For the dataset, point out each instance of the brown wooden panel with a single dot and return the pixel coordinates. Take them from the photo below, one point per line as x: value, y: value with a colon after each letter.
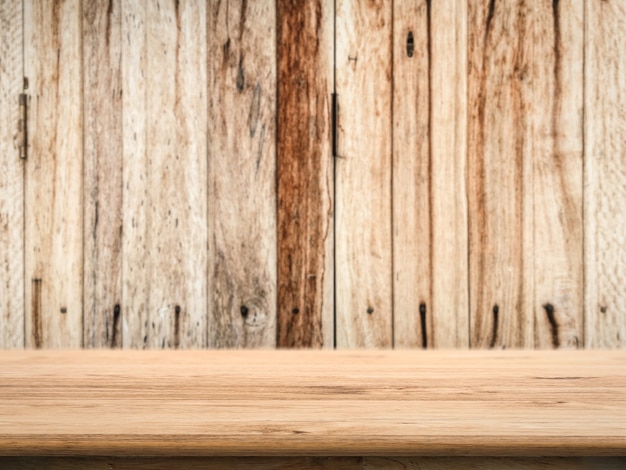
x: 11, y: 178
x: 605, y: 174
x: 242, y: 173
x: 557, y: 190
x: 363, y: 238
x: 315, y: 463
x: 305, y: 173
x: 103, y: 152
x: 412, y: 190
x: 500, y: 173
x: 54, y: 175
x: 165, y: 174
x: 449, y: 311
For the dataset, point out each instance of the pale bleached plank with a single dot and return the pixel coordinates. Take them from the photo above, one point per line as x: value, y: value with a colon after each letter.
x: 273, y: 403
x: 165, y: 194
x: 103, y: 152
x: 605, y: 174
x: 314, y: 463
x: 305, y: 173
x: 448, y: 134
x: 11, y: 178
x: 54, y: 175
x: 500, y: 173
x: 557, y: 101
x: 136, y: 173
x: 412, y: 184
x: 242, y: 173
x: 363, y: 175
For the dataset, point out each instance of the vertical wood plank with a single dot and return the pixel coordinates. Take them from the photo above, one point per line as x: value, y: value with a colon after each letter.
x: 500, y: 174
x: 242, y: 173
x: 54, y: 175
x: 11, y: 178
x: 363, y: 175
x: 448, y: 134
x: 605, y: 173
x: 136, y: 173
x: 305, y: 173
x: 412, y: 216
x: 102, y: 92
x: 557, y: 98
x: 165, y: 188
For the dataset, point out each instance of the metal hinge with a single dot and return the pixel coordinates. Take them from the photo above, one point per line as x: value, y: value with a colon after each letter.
x: 334, y: 123
x: 23, y: 126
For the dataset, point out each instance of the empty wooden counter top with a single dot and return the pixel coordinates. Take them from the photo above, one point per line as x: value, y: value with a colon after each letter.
x: 297, y: 402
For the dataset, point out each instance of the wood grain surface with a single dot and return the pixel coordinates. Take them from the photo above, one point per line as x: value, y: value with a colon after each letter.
x: 54, y: 175
x: 185, y: 403
x: 103, y: 178
x: 556, y: 75
x: 305, y: 173
x: 242, y: 173
x: 500, y: 174
x: 412, y: 212
x: 605, y: 173
x: 363, y: 238
x: 165, y: 167
x: 11, y: 178
x: 449, y: 313
x: 314, y: 463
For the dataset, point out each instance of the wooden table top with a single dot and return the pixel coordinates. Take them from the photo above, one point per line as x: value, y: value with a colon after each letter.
x: 296, y: 402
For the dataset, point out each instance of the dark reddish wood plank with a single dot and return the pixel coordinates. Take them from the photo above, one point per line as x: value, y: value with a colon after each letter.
x: 305, y: 173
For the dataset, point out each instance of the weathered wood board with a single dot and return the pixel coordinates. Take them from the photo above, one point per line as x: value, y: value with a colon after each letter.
x: 557, y: 156
x: 54, y: 184
x: 605, y: 174
x: 449, y: 313
x: 305, y: 173
x: 165, y: 174
x: 242, y: 173
x: 102, y: 186
x: 500, y: 172
x: 11, y: 178
x: 363, y: 238
x: 412, y: 189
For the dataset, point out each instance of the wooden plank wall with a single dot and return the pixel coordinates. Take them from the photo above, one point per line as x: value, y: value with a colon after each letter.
x: 185, y: 187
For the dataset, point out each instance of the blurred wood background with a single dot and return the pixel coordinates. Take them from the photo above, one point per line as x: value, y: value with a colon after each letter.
x: 191, y: 181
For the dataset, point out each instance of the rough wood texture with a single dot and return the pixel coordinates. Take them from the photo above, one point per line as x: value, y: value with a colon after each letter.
x: 264, y: 403
x: 242, y: 178
x: 363, y: 175
x: 314, y: 463
x: 102, y: 91
x: 500, y: 174
x: 556, y: 74
x: 449, y: 313
x: 165, y: 174
x: 11, y: 178
x: 305, y: 173
x: 605, y: 174
x: 412, y: 190
x: 54, y: 175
